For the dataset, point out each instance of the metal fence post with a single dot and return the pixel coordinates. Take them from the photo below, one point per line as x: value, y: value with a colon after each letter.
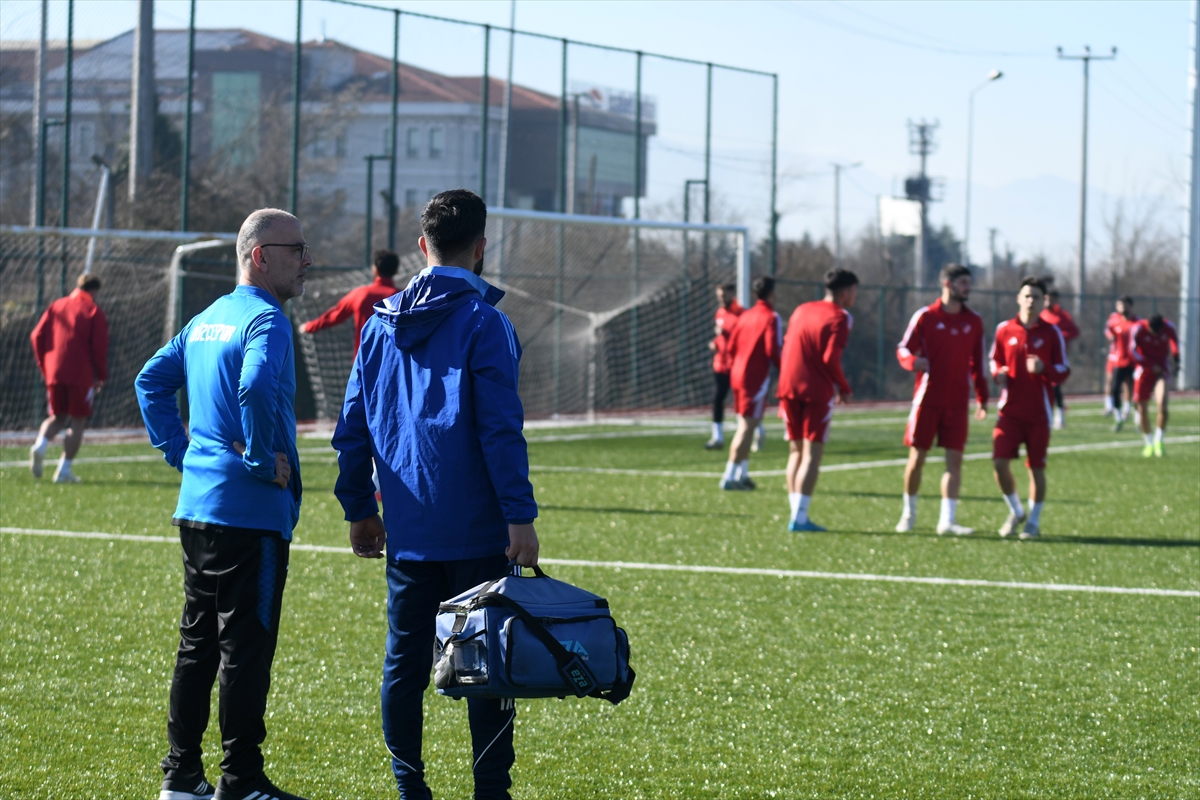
x: 185, y: 169
x: 294, y: 177
x: 65, y: 210
x: 880, y: 344
x: 637, y: 238
x: 395, y: 86
x: 483, y: 135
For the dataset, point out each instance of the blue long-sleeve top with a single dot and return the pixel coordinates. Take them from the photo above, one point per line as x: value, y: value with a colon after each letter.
x: 237, y: 362
x: 432, y: 398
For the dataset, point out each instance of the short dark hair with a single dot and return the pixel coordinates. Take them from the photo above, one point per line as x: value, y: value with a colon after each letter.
x: 952, y: 272
x: 88, y: 282
x: 763, y: 286
x: 1155, y: 322
x: 1052, y: 292
x: 1126, y: 299
x: 837, y: 279
x: 453, y: 221
x: 386, y: 263
x: 1035, y: 282
x: 728, y: 288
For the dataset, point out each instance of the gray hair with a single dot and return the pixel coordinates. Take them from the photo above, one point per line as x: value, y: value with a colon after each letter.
x: 252, y: 230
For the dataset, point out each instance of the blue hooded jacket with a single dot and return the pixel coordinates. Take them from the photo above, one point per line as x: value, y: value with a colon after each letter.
x: 236, y: 359
x: 433, y: 399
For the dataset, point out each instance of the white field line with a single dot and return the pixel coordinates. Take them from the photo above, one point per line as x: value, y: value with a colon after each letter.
x: 768, y: 573
x: 664, y: 473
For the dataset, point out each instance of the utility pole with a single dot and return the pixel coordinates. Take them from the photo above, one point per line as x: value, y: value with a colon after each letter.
x: 992, y: 260
x: 1086, y: 58
x: 837, y: 208
x: 39, y: 113
x: 920, y: 143
x: 994, y: 75
x: 141, y: 104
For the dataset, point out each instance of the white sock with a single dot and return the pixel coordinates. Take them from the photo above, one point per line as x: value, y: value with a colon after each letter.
x: 40, y: 443
x: 949, y: 509
x: 1125, y: 409
x: 910, y: 506
x: 1158, y: 434
x: 743, y: 469
x: 64, y: 464
x: 730, y: 471
x: 718, y: 434
x: 1035, y: 512
x: 802, y: 509
x: 1149, y: 437
x: 1014, y: 504
x: 1108, y: 404
x: 794, y: 502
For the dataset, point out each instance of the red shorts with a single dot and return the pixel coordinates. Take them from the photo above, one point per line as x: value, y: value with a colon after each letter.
x: 805, y: 419
x: 69, y: 400
x: 750, y: 405
x: 1010, y: 434
x: 1144, y: 381
x: 950, y: 425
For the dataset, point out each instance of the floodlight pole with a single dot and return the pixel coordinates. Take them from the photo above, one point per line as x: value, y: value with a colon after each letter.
x: 995, y: 75
x: 837, y: 208
x: 1086, y: 58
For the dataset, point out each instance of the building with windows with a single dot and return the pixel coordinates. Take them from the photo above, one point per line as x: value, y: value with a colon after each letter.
x: 242, y: 98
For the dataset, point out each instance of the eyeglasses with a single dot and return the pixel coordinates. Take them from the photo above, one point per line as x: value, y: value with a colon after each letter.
x: 299, y: 247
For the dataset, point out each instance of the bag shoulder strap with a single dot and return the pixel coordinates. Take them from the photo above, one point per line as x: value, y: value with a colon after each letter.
x: 576, y: 673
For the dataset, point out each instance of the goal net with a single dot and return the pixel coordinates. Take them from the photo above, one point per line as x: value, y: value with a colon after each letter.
x: 613, y: 315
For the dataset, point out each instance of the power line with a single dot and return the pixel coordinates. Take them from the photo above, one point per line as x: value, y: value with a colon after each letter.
x: 1177, y: 106
x: 1140, y: 115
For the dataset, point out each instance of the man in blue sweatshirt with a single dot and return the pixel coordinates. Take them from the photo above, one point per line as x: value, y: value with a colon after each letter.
x: 432, y: 398
x: 238, y: 503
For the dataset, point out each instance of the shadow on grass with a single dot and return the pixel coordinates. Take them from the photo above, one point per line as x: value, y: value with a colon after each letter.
x: 649, y: 511
x: 978, y: 536
x: 933, y: 498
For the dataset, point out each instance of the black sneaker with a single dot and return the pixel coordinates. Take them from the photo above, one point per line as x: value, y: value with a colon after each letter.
x: 191, y: 788
x: 262, y: 789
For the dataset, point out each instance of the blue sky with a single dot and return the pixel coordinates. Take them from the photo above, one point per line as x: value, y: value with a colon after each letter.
x: 851, y: 75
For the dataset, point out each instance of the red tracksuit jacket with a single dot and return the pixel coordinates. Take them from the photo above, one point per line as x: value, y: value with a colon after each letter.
x: 70, y: 341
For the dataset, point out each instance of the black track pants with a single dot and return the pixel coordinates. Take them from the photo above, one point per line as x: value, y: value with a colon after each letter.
x: 233, y: 586
x: 721, y: 392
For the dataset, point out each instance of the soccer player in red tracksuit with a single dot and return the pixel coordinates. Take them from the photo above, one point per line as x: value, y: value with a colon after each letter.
x: 70, y: 343
x: 1058, y: 316
x: 754, y: 346
x: 360, y: 302
x: 1153, y: 340
x: 727, y: 314
x: 1109, y: 361
x: 1029, y: 356
x: 1119, y: 327
x: 810, y: 382
x: 943, y: 345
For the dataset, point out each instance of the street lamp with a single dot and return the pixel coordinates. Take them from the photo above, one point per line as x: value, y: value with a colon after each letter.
x: 994, y: 75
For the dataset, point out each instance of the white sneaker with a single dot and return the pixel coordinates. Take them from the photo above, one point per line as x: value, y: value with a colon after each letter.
x: 955, y: 528
x: 906, y: 523
x: 66, y: 477
x: 37, y: 459
x: 1011, y: 524
x: 714, y: 444
x: 1030, y: 531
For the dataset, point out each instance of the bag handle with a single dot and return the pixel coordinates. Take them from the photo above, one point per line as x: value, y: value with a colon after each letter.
x: 515, y: 571
x: 575, y: 673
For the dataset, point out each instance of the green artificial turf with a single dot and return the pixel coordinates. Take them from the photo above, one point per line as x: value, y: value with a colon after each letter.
x: 748, y: 685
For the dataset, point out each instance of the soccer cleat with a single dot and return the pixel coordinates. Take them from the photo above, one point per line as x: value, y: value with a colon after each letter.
x: 714, y: 444
x: 262, y: 790
x: 1117, y: 427
x: 808, y: 526
x: 1011, y: 524
x: 1147, y: 450
x: 1108, y: 412
x: 906, y: 523
x: 955, y: 528
x: 66, y: 477
x: 1030, y: 531
x: 1158, y: 449
x: 748, y: 485
x: 733, y: 486
x: 193, y: 788
x: 37, y: 458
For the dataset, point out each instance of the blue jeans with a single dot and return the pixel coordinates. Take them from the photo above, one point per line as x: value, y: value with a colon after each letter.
x: 415, y: 589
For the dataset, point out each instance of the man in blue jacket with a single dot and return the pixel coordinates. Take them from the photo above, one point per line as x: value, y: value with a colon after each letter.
x: 238, y: 503
x: 432, y: 398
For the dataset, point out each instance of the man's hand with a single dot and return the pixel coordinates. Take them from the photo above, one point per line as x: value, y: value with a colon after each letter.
x: 283, y: 470
x: 1034, y: 364
x: 921, y: 364
x: 980, y: 411
x: 1001, y: 377
x: 840, y: 397
x: 713, y: 346
x: 367, y: 537
x: 522, y: 545
x: 304, y: 328
x: 97, y: 387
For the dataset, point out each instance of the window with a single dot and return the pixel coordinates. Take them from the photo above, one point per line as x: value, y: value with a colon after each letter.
x: 437, y: 142
x: 412, y: 141
x: 410, y: 198
x: 339, y: 145
x: 236, y: 109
